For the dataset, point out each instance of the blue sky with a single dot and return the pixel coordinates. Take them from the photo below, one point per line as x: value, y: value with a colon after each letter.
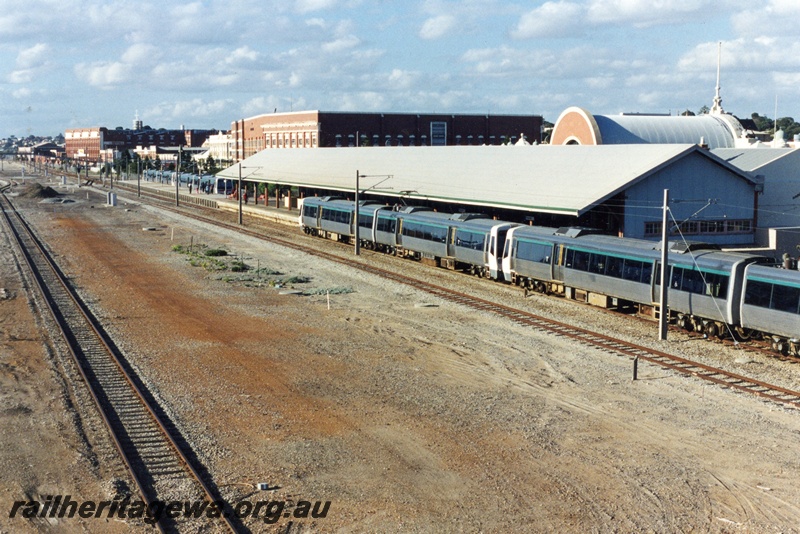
x: 74, y: 63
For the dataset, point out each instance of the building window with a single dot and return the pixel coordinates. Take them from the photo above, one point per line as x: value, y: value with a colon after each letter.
x: 438, y: 133
x: 707, y: 227
x: 652, y: 229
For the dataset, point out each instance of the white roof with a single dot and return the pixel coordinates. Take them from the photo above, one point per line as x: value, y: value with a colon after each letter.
x: 714, y: 130
x: 751, y: 159
x: 545, y: 178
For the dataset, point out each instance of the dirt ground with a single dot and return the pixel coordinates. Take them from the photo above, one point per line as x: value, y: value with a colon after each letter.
x: 408, y: 414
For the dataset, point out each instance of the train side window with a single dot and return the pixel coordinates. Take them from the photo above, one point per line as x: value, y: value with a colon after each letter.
x: 470, y: 240
x: 365, y: 221
x: 693, y: 282
x: 386, y: 224
x: 580, y: 260
x: 632, y: 271
x: 716, y: 285
x: 677, y: 276
x: 785, y: 298
x: 758, y: 293
x: 647, y: 273
x: 616, y: 267
x: 569, y: 258
x: 597, y: 263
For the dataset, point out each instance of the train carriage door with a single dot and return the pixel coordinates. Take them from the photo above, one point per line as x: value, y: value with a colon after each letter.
x: 557, y: 264
x: 505, y: 268
x: 451, y: 242
x: 497, y: 243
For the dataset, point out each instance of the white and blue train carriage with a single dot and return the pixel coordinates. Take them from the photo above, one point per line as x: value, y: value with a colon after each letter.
x: 771, y: 305
x: 705, y: 289
x: 465, y: 241
x: 331, y: 217
x: 705, y: 284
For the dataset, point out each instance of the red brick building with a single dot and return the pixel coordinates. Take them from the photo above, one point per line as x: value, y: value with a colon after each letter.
x: 88, y: 144
x: 305, y: 129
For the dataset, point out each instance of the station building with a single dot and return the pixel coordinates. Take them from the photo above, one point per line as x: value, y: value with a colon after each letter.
x: 326, y: 129
x: 617, y: 188
x: 577, y: 126
x: 778, y: 216
x: 97, y: 143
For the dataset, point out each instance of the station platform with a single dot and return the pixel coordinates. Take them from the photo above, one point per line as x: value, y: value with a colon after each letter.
x: 280, y: 214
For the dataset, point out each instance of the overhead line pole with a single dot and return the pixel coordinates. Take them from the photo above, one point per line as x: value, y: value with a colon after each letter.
x: 358, y: 237
x: 663, y: 316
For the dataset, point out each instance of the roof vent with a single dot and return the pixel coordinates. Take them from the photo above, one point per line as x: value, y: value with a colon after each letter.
x: 467, y: 216
x: 412, y: 209
x: 576, y: 231
x: 682, y: 247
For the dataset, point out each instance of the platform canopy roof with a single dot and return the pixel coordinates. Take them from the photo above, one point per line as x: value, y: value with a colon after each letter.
x: 752, y: 159
x: 568, y: 180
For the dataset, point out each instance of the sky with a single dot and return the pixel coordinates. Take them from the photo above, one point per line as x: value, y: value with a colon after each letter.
x: 203, y: 64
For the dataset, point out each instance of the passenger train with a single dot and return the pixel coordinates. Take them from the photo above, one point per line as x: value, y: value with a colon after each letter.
x: 720, y: 294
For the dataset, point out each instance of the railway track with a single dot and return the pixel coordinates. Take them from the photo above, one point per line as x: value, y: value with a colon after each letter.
x: 145, y: 439
x: 683, y: 366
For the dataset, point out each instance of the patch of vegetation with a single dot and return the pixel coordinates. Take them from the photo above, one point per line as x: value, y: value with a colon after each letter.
x: 216, y: 252
x: 337, y: 290
x: 235, y: 268
x: 296, y: 280
x: 210, y: 259
x: 238, y: 266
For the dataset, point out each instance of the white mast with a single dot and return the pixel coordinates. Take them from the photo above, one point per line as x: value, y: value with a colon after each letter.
x: 716, y: 109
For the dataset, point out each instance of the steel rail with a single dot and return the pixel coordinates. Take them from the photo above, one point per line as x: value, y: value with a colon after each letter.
x: 673, y: 362
x: 91, y: 372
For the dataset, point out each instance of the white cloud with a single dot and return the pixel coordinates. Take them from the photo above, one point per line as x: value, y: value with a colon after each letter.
x: 141, y: 53
x: 104, y: 74
x: 507, y: 61
x: 643, y: 13
x: 437, y: 27
x: 307, y: 6
x: 743, y: 55
x: 241, y: 54
x: 400, y: 79
x: 340, y: 45
x: 33, y: 56
x: 551, y: 19
x: 776, y: 17
x: 21, y: 93
x: 195, y: 108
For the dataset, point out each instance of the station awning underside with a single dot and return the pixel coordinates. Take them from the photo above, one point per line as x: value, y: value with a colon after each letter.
x: 567, y: 180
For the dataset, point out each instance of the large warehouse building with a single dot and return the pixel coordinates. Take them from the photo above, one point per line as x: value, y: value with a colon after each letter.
x: 323, y: 129
x: 577, y: 126
x: 618, y: 188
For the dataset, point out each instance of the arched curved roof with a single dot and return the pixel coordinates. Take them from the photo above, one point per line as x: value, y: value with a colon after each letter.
x: 577, y: 126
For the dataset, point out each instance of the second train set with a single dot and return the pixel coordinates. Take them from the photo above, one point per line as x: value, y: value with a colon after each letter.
x: 717, y: 293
